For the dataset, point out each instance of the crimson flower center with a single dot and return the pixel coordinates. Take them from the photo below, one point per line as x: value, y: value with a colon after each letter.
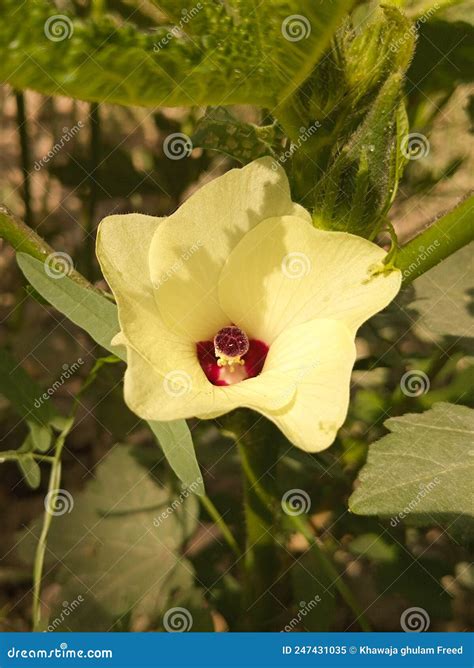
x: 231, y: 356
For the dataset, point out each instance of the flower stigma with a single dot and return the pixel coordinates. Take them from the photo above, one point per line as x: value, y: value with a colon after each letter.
x: 230, y: 345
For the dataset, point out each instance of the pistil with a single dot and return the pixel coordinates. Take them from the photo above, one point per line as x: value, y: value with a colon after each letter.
x: 230, y: 345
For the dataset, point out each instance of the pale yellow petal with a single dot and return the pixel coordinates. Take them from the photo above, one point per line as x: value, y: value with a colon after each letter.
x: 123, y: 244
x: 177, y: 388
x: 319, y: 358
x: 285, y: 272
x: 190, y: 247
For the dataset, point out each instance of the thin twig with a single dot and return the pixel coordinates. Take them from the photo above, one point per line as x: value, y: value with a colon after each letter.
x: 22, y: 124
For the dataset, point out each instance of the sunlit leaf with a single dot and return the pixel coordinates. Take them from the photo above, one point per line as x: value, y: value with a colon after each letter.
x: 422, y: 471
x: 241, y: 51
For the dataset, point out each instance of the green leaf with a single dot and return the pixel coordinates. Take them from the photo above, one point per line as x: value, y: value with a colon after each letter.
x: 177, y: 444
x: 220, y: 131
x: 422, y: 472
x: 98, y: 316
x: 85, y: 308
x: 120, y: 540
x: 443, y: 304
x: 30, y: 470
x: 238, y: 52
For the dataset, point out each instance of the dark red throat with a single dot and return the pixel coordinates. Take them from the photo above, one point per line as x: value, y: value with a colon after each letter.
x: 254, y: 360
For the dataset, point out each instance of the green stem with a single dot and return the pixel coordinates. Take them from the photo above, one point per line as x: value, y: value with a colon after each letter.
x: 262, y: 505
x: 53, y: 488
x: 219, y: 520
x: 25, y: 240
x: 13, y: 455
x: 257, y: 443
x: 21, y: 237
x: 25, y: 154
x: 437, y: 242
x: 324, y: 563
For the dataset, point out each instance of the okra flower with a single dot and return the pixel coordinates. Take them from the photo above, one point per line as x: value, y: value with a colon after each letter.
x: 237, y: 300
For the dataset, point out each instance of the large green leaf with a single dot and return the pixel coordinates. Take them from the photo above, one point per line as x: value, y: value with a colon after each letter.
x: 241, y: 51
x: 117, y: 543
x: 98, y: 316
x: 423, y: 470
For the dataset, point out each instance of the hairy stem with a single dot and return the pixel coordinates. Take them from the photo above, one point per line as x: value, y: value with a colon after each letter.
x: 21, y: 237
x: 261, y: 554
x: 257, y: 442
x: 25, y: 240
